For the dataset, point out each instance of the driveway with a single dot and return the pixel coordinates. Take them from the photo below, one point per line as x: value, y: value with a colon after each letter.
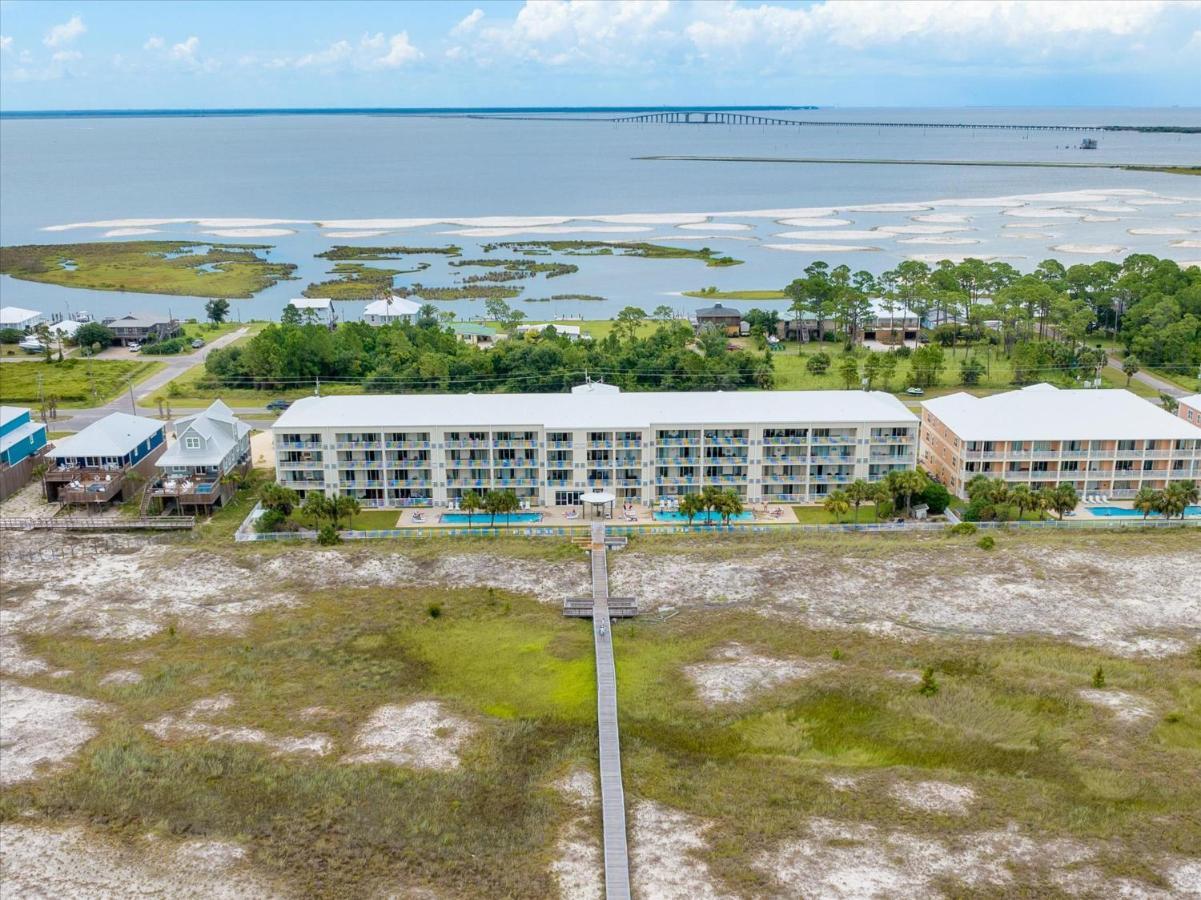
x: 173, y: 367
x: 1164, y: 387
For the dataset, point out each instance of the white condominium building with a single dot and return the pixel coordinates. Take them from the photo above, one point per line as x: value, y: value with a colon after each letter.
x: 1107, y: 442
x: 426, y: 449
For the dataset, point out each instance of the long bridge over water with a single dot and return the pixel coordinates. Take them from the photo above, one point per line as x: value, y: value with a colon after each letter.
x: 686, y: 117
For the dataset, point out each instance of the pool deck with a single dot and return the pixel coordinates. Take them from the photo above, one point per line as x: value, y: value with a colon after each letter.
x: 557, y: 516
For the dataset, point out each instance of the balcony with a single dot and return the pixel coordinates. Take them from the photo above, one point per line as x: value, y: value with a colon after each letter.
x: 358, y: 445
x: 298, y: 445
x: 359, y: 465
x: 679, y: 442
x: 727, y: 441
x: 467, y: 445
x: 407, y: 445
x: 192, y: 492
x: 785, y: 479
x: 299, y: 464
x: 91, y: 491
x: 408, y: 482
x: 350, y: 484
x: 892, y: 438
x: 515, y: 444
x: 558, y: 482
x: 627, y: 482
x: 794, y: 441
x: 835, y: 439
x: 626, y: 445
x: 677, y: 479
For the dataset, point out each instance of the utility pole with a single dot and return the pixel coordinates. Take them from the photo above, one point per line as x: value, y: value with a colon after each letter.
x: 133, y: 407
x: 41, y: 397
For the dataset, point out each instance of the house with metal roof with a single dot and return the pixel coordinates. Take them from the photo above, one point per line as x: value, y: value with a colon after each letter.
x: 193, y: 473
x: 314, y: 309
x: 389, y: 310
x: 109, y: 459
x: 20, y: 318
x: 22, y: 441
x: 1189, y: 409
x: 475, y: 333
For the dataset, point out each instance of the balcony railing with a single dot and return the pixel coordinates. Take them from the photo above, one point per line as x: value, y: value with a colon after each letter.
x: 467, y: 445
x: 515, y: 444
x: 407, y: 445
x: 358, y: 445
x: 298, y: 445
x: 784, y: 441
x: 679, y: 442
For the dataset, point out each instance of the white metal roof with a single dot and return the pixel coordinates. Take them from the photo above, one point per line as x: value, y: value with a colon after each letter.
x: 558, y: 327
x: 311, y: 303
x: 1193, y: 400
x: 219, y: 431
x: 1043, y: 413
x: 8, y: 413
x: 66, y: 327
x: 399, y: 306
x: 17, y: 315
x: 114, y: 435
x: 600, y: 410
x: 19, y: 434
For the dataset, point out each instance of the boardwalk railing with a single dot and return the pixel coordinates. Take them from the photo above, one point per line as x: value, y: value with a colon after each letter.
x: 98, y: 523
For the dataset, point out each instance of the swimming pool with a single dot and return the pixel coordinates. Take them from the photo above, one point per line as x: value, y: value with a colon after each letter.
x: 205, y: 487
x: 480, y: 518
x: 703, y: 518
x: 1111, y: 512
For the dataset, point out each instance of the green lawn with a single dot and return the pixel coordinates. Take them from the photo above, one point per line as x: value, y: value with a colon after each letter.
x: 736, y: 295
x: 1186, y: 380
x: 1116, y: 378
x: 154, y: 267
x: 816, y: 515
x: 70, y: 380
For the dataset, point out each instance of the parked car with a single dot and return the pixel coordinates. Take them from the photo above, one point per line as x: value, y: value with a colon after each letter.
x: 197, y: 343
x: 134, y: 347
x: 278, y: 405
x: 914, y: 391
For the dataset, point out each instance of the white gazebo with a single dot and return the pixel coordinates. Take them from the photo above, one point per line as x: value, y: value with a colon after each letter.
x: 598, y: 500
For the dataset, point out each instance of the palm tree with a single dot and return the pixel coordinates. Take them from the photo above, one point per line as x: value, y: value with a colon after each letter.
x: 1145, y: 501
x: 998, y: 496
x: 344, y: 507
x: 879, y: 494
x: 691, y: 505
x: 1064, y: 499
x: 905, y: 483
x: 837, y: 504
x: 470, y: 503
x: 1022, y: 498
x: 858, y: 492
x: 1185, y: 494
x: 279, y: 498
x: 729, y: 504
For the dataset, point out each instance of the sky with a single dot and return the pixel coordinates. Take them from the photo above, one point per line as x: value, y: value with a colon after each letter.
x: 140, y: 55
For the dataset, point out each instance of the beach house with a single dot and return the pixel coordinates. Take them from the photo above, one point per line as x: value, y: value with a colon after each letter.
x: 1103, y: 442
x: 110, y: 459
x: 20, y: 318
x: 314, y: 309
x: 723, y: 318
x: 138, y: 328
x: 193, y: 474
x: 428, y: 449
x: 393, y: 309
x: 571, y: 332
x: 475, y: 333
x: 22, y: 442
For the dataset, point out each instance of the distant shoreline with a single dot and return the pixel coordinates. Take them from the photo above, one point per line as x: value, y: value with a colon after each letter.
x: 1019, y: 164
x: 370, y: 111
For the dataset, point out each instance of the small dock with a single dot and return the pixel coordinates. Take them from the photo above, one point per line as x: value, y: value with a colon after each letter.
x: 598, y: 608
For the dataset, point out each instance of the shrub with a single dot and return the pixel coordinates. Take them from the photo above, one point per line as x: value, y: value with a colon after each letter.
x: 818, y: 363
x: 1099, y: 678
x: 935, y: 496
x: 928, y: 686
x: 962, y: 528
x: 435, y: 610
x: 328, y: 535
x: 271, y: 520
x: 837, y: 654
x: 94, y: 333
x: 165, y: 348
x: 988, y: 542
x: 11, y: 335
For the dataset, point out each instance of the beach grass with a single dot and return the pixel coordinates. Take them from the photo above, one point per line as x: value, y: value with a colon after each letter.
x: 1007, y: 722
x: 75, y: 382
x: 197, y: 269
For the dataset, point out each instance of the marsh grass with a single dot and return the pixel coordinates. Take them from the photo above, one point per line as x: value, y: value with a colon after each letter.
x: 1007, y: 722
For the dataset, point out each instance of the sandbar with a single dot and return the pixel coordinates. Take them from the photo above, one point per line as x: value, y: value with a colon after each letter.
x: 821, y: 248
x: 1095, y: 249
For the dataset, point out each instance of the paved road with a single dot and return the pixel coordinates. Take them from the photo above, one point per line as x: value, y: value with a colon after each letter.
x: 173, y: 367
x: 1164, y: 387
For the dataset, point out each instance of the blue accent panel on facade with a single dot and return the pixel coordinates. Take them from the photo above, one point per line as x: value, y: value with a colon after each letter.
x: 141, y: 450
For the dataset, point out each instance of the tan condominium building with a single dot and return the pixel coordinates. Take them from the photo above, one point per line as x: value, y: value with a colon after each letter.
x: 1189, y: 409
x: 1106, y: 442
x: 426, y: 449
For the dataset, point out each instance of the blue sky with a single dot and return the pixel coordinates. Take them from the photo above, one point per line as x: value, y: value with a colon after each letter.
x: 97, y: 54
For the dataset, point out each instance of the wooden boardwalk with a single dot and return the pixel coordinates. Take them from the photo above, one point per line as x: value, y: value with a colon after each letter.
x: 613, y: 809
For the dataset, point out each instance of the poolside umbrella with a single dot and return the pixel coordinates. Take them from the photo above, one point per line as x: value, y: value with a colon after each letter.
x: 597, y: 500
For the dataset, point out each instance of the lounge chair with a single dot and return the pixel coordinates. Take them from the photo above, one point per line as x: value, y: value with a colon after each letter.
x: 573, y: 514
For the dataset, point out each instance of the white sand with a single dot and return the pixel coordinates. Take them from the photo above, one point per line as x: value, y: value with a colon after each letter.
x: 1160, y: 201
x: 944, y: 218
x: 1164, y: 231
x: 835, y: 235
x: 352, y: 234
x: 1188, y: 245
x: 1093, y: 218
x: 717, y: 226
x: 376, y: 224
x: 922, y: 229
x: 549, y: 229
x: 979, y: 203
x: 821, y: 248
x: 248, y: 223
x: 129, y: 232
x: 190, y: 724
x: 941, y: 241
x: 1031, y: 235
x: 935, y: 796
x: 810, y: 212
x: 422, y: 735
x: 117, y: 223
x: 1111, y: 208
x: 578, y: 865
x: 1090, y: 249
x: 121, y: 677
x: 38, y: 728
x: 250, y: 232
x: 738, y: 673
x: 663, y: 864
x: 888, y: 207
x: 815, y: 223
x: 1187, y: 215
x: 1125, y: 707
x: 681, y: 219
x: 1031, y: 212
x: 71, y: 864
x: 16, y: 660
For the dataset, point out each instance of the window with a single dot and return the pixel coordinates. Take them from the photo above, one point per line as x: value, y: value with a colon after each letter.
x: 191, y: 442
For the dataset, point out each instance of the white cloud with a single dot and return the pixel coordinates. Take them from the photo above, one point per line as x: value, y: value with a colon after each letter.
x: 64, y: 33
x: 559, y: 32
x: 331, y: 55
x: 154, y: 42
x: 185, y: 50
x: 400, y: 52
x: 6, y: 43
x: 468, y: 22
x: 65, y: 56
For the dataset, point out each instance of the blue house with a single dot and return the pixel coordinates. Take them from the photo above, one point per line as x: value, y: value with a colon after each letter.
x: 21, y: 441
x: 92, y: 466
